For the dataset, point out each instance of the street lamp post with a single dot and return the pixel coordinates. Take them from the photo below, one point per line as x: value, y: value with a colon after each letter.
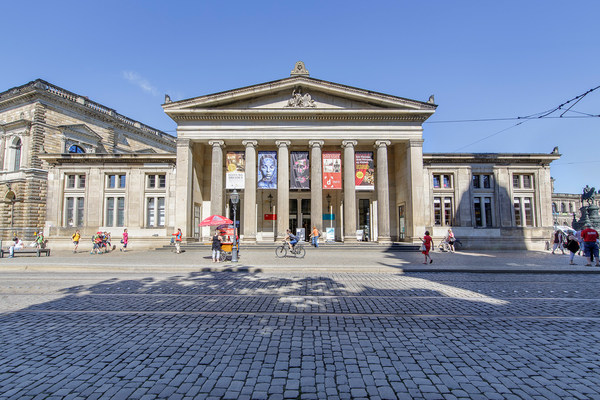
x: 270, y: 197
x: 235, y: 198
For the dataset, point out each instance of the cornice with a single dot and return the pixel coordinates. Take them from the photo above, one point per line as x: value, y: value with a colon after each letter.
x: 496, y: 158
x: 103, y: 159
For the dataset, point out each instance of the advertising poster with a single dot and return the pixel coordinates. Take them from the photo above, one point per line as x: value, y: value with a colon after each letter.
x: 299, y: 170
x: 364, y: 178
x: 332, y: 170
x: 235, y: 175
x: 267, y: 170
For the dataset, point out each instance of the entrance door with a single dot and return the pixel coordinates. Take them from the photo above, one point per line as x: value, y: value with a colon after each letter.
x: 300, y: 216
x: 364, y: 218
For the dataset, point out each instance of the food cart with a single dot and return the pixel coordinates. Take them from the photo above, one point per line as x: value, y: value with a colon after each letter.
x: 227, y: 232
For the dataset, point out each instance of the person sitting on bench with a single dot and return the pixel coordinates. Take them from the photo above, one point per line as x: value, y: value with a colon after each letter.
x: 18, y: 245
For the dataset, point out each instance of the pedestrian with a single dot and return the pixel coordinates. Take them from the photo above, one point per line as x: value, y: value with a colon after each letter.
x: 572, y: 246
x: 17, y: 245
x: 450, y: 239
x: 217, y: 239
x: 427, y: 240
x: 590, y: 245
x: 76, y: 237
x: 39, y: 240
x: 178, y: 236
x: 315, y: 234
x: 558, y: 241
x: 125, y: 240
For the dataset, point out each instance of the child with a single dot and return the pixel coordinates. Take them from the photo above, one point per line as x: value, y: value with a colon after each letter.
x: 573, y: 246
x: 178, y: 236
x: 76, y: 237
x: 125, y: 240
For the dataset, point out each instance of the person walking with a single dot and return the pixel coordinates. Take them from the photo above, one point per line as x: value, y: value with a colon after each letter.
x: 572, y: 246
x: 315, y: 234
x: 178, y: 236
x: 427, y: 241
x: 76, y: 237
x: 558, y: 241
x: 217, y: 240
x: 590, y: 245
x: 450, y: 239
x: 125, y: 240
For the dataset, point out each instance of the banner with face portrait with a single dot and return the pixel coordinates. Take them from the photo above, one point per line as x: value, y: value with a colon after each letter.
x: 364, y: 178
x: 235, y: 175
x: 299, y: 170
x: 332, y: 170
x: 267, y: 170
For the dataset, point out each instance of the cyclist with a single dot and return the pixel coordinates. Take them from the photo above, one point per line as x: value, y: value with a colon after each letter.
x: 450, y: 239
x: 291, y: 239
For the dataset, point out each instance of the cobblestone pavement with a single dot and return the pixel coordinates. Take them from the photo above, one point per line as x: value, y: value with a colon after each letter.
x: 233, y: 335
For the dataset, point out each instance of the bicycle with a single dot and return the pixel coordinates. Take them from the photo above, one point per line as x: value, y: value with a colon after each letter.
x: 298, y: 250
x: 444, y: 246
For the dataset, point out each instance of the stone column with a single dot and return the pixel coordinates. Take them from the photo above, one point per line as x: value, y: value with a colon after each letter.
x: 250, y: 192
x: 416, y: 199
x: 216, y: 183
x: 316, y: 184
x: 183, y: 190
x: 349, y: 191
x: 283, y: 187
x: 383, y: 192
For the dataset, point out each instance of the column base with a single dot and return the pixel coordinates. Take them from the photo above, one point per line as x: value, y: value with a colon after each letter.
x: 384, y: 240
x: 350, y: 239
x: 249, y: 240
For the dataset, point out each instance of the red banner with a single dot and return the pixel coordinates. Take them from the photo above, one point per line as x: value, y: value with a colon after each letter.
x: 270, y: 217
x: 332, y: 170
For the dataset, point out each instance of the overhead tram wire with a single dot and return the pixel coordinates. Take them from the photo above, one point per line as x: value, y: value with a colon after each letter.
x: 541, y: 115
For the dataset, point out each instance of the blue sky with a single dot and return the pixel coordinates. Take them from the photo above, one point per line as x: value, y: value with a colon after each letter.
x: 481, y: 60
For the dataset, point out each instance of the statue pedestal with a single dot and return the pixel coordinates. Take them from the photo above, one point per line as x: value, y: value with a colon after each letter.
x: 589, y: 215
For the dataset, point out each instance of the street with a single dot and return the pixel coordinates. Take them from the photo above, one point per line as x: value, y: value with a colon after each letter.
x: 236, y: 335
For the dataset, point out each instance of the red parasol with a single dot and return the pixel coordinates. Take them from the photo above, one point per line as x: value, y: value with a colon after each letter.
x: 215, y: 220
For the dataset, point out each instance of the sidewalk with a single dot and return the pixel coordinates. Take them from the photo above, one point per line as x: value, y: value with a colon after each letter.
x: 316, y: 261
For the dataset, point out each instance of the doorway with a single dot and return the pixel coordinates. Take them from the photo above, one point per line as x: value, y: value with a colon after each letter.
x: 300, y: 217
x: 364, y: 218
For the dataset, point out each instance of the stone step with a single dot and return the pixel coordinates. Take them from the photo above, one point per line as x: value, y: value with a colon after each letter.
x: 395, y: 247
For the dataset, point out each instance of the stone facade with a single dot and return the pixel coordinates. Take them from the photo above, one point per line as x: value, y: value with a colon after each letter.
x: 38, y: 120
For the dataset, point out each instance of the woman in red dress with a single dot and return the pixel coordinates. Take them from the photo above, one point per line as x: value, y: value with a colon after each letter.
x: 427, y: 240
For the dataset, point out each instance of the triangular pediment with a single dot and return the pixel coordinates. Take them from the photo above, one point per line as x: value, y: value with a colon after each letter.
x: 81, y: 132
x: 295, y: 93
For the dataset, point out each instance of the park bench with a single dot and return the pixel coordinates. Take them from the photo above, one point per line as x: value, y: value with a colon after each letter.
x: 37, y: 252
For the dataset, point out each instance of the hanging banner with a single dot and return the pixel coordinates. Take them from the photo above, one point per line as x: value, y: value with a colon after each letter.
x: 332, y: 170
x: 235, y: 175
x: 267, y: 170
x: 299, y: 170
x: 364, y: 178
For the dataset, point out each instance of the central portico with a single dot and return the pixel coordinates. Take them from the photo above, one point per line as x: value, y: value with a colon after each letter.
x: 316, y: 137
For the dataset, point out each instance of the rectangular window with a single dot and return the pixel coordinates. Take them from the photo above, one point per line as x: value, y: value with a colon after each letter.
x: 111, y: 181
x: 115, y: 181
x: 516, y: 181
x: 528, y: 211
x: 487, y: 181
x: 436, y: 181
x: 71, y: 181
x: 447, y: 181
x: 150, y: 211
x: 161, y: 211
x: 120, y: 211
x: 80, y: 205
x: 476, y: 184
x: 122, y: 181
x: 527, y: 181
x: 477, y: 208
x: 81, y: 182
x: 110, y: 211
x: 157, y: 181
x: 69, y: 211
x: 517, y: 208
x: 437, y: 211
x: 151, y: 181
x: 448, y: 211
x: 488, y: 211
x: 162, y: 181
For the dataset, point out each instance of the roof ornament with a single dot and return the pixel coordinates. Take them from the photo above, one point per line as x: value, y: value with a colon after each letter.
x: 300, y: 101
x: 167, y: 99
x: 431, y: 100
x: 299, y: 70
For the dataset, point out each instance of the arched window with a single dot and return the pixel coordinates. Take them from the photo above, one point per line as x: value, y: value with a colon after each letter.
x: 570, y: 207
x: 563, y: 208
x: 16, y: 147
x: 76, y: 149
x: 554, y: 208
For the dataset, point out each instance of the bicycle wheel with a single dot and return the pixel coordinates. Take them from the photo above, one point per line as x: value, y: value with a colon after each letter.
x: 222, y: 256
x: 457, y: 245
x: 280, y: 251
x: 300, y: 251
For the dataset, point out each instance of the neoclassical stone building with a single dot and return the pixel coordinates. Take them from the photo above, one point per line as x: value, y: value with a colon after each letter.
x: 299, y: 151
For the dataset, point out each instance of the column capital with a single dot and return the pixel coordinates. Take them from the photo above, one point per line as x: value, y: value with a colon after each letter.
x: 415, y: 143
x: 316, y: 143
x: 382, y: 143
x: 249, y: 143
x: 183, y: 142
x: 217, y: 143
x: 283, y: 143
x: 349, y: 143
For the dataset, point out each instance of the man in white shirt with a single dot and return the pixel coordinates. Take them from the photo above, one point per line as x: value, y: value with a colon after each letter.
x: 18, y: 245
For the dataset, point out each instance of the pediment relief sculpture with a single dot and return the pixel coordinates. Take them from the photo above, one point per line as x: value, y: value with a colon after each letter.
x: 300, y: 100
